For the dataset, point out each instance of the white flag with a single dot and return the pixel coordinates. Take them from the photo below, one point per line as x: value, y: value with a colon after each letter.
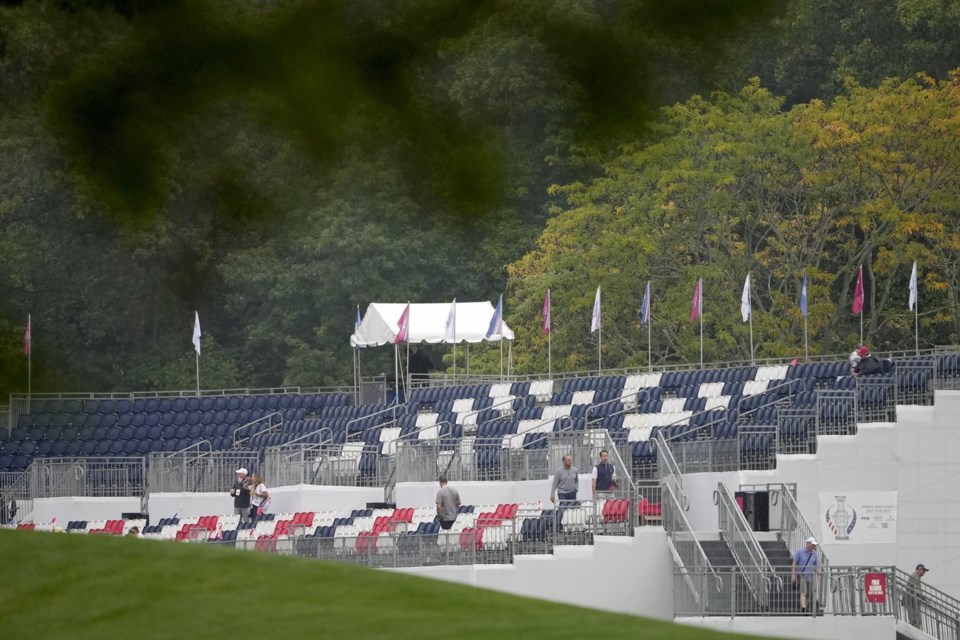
x: 450, y: 330
x: 913, y: 287
x: 745, y: 299
x: 196, y: 332
x: 595, y: 322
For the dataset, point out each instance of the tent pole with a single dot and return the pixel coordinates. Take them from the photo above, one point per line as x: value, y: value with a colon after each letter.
x: 501, y: 358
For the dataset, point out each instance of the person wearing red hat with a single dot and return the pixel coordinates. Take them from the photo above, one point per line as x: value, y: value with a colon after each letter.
x: 867, y: 364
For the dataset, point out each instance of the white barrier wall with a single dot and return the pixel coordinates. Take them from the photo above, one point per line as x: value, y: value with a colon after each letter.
x: 90, y: 509
x: 285, y: 500
x: 423, y: 494
x: 919, y: 458
x: 822, y: 628
x: 626, y: 575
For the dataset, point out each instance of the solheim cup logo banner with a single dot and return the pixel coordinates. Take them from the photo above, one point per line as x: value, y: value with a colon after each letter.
x: 841, y: 520
x: 859, y: 517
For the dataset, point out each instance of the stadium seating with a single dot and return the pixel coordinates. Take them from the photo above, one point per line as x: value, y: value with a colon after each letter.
x: 688, y: 405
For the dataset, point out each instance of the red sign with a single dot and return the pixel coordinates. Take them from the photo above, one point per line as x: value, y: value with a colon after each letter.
x: 875, y: 586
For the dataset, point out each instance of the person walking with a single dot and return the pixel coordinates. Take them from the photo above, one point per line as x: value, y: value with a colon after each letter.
x: 565, y: 482
x: 804, y: 573
x: 259, y: 496
x: 448, y: 502
x: 914, y: 596
x: 241, y: 495
x: 604, y: 477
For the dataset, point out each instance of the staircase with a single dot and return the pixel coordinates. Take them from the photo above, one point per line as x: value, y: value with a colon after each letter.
x: 783, y: 597
x: 735, y: 589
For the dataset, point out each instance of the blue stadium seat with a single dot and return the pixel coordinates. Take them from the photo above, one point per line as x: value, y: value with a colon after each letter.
x: 151, y: 405
x: 106, y: 406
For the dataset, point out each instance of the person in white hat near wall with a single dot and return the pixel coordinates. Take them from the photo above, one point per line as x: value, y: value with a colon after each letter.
x: 804, y: 573
x: 241, y: 495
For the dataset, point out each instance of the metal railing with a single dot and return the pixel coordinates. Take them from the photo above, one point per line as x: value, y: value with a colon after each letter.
x: 197, y: 470
x: 916, y: 381
x: 99, y: 476
x: 793, y: 529
x: 267, y: 423
x: 700, y: 582
x: 924, y: 607
x: 669, y: 471
x: 505, y: 460
x: 16, y: 502
x: 352, y: 465
x: 757, y: 571
x: 472, y: 540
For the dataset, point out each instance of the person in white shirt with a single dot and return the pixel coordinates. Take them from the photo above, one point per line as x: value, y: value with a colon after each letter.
x: 259, y: 496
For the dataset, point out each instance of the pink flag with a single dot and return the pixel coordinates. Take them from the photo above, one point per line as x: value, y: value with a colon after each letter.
x: 546, y: 313
x: 858, y: 293
x: 403, y: 326
x: 697, y: 301
x: 27, y: 339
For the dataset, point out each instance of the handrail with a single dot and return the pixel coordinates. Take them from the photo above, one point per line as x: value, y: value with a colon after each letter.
x: 744, y: 546
x: 392, y: 408
x: 623, y: 411
x: 796, y: 529
x: 270, y: 425
x: 668, y: 469
x: 700, y: 561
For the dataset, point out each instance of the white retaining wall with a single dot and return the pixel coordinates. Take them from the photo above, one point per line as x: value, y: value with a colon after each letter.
x: 621, y: 574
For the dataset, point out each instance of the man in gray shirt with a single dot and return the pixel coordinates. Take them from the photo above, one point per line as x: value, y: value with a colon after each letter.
x: 565, y: 483
x: 448, y: 501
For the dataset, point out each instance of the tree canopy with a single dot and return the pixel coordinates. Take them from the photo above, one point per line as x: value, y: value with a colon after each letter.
x: 273, y: 164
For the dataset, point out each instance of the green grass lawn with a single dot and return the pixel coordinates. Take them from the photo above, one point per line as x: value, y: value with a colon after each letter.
x: 90, y: 586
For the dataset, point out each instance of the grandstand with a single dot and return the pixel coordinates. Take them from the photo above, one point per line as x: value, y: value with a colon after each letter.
x: 696, y: 450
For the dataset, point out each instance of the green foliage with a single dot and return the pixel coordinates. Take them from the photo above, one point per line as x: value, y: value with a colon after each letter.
x: 733, y: 185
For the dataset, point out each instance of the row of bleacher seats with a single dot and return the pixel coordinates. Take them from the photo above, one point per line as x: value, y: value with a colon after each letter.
x: 204, y: 403
x: 477, y: 527
x: 175, y: 418
x: 629, y: 406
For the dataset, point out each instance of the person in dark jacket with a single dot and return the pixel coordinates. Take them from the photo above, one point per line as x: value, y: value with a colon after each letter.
x: 241, y: 495
x: 868, y: 364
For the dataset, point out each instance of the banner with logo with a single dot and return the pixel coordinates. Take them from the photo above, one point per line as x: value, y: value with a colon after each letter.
x: 858, y: 517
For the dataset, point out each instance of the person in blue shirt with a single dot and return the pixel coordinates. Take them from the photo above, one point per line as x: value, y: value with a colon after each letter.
x: 804, y: 573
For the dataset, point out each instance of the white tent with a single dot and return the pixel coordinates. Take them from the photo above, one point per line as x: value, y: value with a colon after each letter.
x: 427, y: 323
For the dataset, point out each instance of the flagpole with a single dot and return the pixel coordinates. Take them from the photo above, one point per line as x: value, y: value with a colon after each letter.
x: 406, y: 375
x: 700, y: 303
x: 198, y: 375
x: 750, y: 293
x: 501, y: 357
x: 649, y: 347
x: 454, y: 360
x: 396, y: 373
x: 30, y: 359
x: 806, y: 348
x: 550, y: 353
x: 509, y: 358
x: 599, y: 346
x: 916, y: 326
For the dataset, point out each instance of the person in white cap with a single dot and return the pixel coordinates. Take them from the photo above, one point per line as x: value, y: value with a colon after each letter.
x: 241, y: 495
x: 804, y: 573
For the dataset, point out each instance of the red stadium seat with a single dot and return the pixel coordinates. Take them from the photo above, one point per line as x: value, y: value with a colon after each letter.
x: 29, y: 526
x: 267, y: 544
